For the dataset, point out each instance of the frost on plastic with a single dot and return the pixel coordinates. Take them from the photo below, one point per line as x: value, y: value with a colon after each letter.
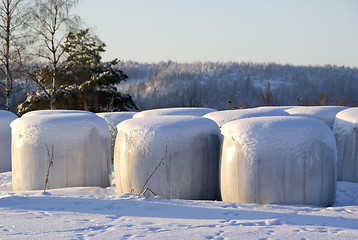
x: 281, y: 160
x: 77, y: 142
x: 185, y: 111
x: 190, y: 147
x: 222, y: 117
x: 326, y: 114
x: 113, y: 119
x: 5, y: 140
x: 346, y: 131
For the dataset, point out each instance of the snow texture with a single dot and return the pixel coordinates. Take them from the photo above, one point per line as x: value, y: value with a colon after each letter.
x: 186, y: 111
x: 5, y: 140
x: 346, y: 131
x: 284, y: 160
x: 326, y: 114
x: 100, y: 213
x: 77, y: 142
x: 189, y: 147
x: 56, y: 112
x: 113, y: 119
x: 222, y: 117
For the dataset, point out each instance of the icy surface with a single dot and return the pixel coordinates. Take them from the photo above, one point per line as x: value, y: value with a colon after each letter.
x: 326, y: 114
x: 113, y: 119
x: 222, y: 117
x: 5, y: 140
x: 346, y: 131
x: 100, y: 213
x: 77, y: 142
x: 289, y: 160
x: 189, y: 147
x: 198, y: 112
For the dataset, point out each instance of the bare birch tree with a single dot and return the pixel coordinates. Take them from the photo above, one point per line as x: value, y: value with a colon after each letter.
x: 13, y: 21
x: 52, y: 22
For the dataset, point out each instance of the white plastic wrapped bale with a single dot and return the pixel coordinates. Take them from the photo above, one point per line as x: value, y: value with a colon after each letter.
x: 326, y: 114
x: 185, y: 111
x: 5, y: 140
x: 222, y: 117
x: 346, y: 131
x: 76, y: 142
x: 113, y: 119
x: 278, y: 160
x: 189, y: 148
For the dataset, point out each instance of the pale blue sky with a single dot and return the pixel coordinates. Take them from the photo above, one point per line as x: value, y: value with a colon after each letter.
x: 299, y: 32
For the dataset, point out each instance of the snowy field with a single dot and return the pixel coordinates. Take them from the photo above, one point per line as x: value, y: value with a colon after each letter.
x: 100, y: 213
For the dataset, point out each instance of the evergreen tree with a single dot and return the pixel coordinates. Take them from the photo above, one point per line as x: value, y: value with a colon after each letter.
x: 84, y: 82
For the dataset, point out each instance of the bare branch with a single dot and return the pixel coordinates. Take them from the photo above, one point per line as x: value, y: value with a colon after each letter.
x: 144, y: 189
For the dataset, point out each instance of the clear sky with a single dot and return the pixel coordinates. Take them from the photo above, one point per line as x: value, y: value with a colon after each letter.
x: 299, y: 32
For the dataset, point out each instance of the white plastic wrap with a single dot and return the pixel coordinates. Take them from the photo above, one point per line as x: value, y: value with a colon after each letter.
x: 326, y: 114
x: 281, y: 160
x: 76, y: 142
x: 189, y: 147
x: 113, y: 119
x: 346, y: 131
x: 185, y: 111
x: 222, y: 117
x: 5, y: 140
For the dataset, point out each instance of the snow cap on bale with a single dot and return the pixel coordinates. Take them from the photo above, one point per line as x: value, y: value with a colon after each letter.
x: 56, y: 112
x: 345, y: 129
x: 5, y: 140
x: 185, y: 111
x: 76, y: 141
x: 222, y: 117
x: 189, y: 147
x: 326, y: 114
x: 283, y: 160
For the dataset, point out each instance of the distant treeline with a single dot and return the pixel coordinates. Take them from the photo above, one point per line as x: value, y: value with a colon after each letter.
x: 237, y: 85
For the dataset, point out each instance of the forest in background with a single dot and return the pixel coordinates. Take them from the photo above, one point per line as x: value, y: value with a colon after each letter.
x: 48, y: 59
x: 232, y: 85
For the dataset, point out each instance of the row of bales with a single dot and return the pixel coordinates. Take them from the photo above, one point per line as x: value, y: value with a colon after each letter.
x: 281, y: 155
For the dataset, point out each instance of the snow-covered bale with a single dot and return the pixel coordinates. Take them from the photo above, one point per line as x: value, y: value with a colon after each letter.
x: 76, y: 142
x: 56, y: 112
x: 5, y: 140
x: 185, y: 111
x: 346, y: 131
x: 282, y: 160
x: 326, y: 114
x: 113, y: 119
x: 189, y: 148
x: 222, y: 117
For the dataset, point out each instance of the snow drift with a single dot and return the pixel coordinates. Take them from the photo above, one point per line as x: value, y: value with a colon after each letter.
x: 5, y: 140
x: 76, y: 141
x: 346, y: 131
x: 189, y: 148
x: 281, y: 160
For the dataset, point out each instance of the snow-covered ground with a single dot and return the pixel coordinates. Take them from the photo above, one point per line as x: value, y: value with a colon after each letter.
x: 100, y: 213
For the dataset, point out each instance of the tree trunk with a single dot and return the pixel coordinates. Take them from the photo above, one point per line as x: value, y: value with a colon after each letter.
x: 8, y: 84
x: 53, y: 92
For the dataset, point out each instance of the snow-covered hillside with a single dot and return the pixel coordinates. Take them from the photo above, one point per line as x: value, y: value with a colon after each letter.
x: 209, y: 84
x: 100, y: 213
